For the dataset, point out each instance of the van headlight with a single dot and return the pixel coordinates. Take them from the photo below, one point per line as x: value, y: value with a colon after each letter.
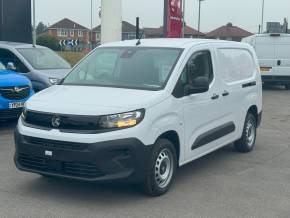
x: 123, y: 120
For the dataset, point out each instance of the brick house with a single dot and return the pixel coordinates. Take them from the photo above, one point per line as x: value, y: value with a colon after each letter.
x: 228, y: 32
x: 67, y: 29
x: 158, y: 32
x: 128, y: 32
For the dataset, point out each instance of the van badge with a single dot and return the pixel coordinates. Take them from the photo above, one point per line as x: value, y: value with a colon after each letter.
x: 48, y: 153
x: 55, y: 121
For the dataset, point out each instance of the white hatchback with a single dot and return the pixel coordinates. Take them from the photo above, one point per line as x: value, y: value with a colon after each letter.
x: 136, y: 111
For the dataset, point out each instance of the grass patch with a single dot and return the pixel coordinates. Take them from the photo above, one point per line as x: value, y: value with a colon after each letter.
x: 72, y: 57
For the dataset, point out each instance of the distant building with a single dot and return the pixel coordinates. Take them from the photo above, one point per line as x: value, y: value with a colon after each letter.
x: 128, y: 32
x: 67, y: 29
x: 228, y: 32
x: 276, y: 27
x: 158, y: 32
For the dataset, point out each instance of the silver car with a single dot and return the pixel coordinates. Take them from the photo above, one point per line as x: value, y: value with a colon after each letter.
x: 40, y: 64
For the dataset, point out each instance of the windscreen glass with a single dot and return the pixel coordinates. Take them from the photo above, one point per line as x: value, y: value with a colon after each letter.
x: 126, y: 67
x: 43, y: 59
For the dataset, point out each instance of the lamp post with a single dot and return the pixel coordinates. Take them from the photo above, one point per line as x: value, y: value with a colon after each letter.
x: 183, y: 19
x: 91, y: 46
x: 262, y: 22
x: 199, y: 12
x: 34, y: 26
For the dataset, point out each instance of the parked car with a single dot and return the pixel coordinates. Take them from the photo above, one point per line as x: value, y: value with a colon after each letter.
x: 274, y: 57
x: 40, y: 64
x: 136, y: 111
x: 15, y: 89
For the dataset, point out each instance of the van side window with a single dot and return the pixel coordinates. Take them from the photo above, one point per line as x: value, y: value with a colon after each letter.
x: 238, y: 64
x: 198, y: 65
x: 7, y: 56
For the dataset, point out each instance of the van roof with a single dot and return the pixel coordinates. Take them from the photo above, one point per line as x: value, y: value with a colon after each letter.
x: 166, y: 43
x: 269, y: 35
x: 6, y: 44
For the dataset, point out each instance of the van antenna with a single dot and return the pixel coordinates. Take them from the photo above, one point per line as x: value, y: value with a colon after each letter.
x: 139, y: 40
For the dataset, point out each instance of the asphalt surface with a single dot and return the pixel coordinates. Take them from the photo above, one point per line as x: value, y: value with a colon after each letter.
x: 222, y: 184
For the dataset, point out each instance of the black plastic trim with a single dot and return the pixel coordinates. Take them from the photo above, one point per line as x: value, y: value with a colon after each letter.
x: 246, y: 85
x: 124, y: 160
x: 259, y: 121
x: 213, y: 135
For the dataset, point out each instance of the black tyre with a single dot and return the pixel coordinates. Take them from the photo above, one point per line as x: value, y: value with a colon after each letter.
x: 248, y: 140
x: 287, y: 86
x: 161, y: 168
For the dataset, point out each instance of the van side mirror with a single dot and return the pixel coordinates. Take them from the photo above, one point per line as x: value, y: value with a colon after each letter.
x: 200, y: 85
x: 11, y: 66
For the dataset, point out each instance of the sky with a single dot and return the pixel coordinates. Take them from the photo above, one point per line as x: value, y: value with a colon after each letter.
x: 214, y: 13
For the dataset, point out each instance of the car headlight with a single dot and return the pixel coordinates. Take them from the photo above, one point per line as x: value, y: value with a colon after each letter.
x: 54, y: 81
x: 123, y: 120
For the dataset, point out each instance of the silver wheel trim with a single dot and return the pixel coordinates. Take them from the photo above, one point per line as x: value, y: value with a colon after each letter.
x: 250, y: 133
x: 164, y: 168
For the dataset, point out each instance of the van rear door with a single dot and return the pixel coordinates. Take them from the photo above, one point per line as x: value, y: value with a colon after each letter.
x: 265, y: 49
x: 282, y: 56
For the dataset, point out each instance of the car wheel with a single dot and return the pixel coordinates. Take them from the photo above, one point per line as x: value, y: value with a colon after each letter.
x: 161, y: 168
x: 287, y: 86
x: 247, y: 142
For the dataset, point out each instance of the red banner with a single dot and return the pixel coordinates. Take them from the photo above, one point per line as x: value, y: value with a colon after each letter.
x: 173, y: 18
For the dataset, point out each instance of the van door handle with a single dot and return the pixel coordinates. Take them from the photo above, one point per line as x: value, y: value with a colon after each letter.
x: 279, y: 62
x: 226, y: 93
x: 215, y: 96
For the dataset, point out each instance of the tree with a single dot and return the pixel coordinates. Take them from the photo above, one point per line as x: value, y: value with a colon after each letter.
x: 48, y: 41
x: 41, y: 28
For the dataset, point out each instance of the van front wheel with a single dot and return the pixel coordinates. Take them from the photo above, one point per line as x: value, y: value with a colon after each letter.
x: 161, y: 169
x: 247, y: 142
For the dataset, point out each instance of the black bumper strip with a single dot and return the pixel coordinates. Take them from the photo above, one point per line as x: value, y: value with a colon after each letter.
x: 213, y: 135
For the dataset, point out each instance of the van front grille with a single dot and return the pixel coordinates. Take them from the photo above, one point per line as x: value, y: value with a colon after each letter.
x: 15, y: 93
x: 46, y: 143
x: 77, y: 169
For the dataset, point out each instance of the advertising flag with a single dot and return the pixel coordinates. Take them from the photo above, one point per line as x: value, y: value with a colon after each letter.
x: 173, y: 18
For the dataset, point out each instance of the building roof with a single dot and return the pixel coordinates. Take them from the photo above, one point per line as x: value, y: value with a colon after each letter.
x: 229, y: 31
x: 159, y: 31
x: 126, y: 28
x: 67, y: 24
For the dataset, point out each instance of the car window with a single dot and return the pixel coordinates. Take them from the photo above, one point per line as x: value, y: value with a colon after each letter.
x: 238, y: 64
x: 2, y: 67
x: 7, y: 56
x: 43, y: 58
x: 198, y: 65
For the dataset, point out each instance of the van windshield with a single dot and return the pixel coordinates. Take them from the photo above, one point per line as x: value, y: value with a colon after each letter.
x: 43, y: 59
x: 126, y: 67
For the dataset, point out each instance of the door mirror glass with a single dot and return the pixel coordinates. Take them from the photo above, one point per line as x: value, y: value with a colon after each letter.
x: 11, y: 66
x: 199, y: 85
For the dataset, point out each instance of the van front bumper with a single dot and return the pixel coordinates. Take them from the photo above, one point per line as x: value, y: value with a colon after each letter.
x: 125, y: 160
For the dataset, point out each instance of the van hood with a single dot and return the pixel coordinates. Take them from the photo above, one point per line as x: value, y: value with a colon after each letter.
x: 9, y: 78
x: 53, y: 73
x: 84, y: 100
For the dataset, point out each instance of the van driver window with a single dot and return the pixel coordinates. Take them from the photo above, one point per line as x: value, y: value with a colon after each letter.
x: 199, y: 65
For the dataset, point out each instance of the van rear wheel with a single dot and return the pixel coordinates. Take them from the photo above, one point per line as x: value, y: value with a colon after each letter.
x: 161, y: 168
x: 247, y: 142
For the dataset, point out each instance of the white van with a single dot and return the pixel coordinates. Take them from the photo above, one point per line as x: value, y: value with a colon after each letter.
x: 273, y: 51
x: 135, y: 111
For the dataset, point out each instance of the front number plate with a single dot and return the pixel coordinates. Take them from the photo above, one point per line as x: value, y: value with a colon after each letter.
x: 16, y: 105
